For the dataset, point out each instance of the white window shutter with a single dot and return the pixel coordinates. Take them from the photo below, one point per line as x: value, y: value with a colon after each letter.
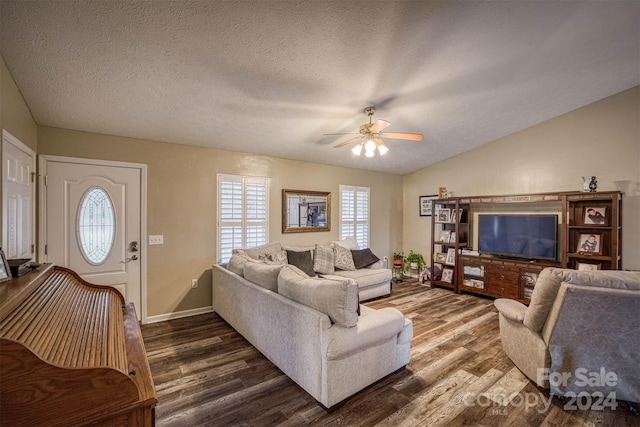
x: 354, y: 214
x: 242, y: 213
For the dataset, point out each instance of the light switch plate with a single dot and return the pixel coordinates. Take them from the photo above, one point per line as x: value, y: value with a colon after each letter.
x: 157, y: 239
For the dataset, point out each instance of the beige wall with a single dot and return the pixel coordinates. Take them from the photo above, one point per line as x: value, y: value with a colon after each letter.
x: 601, y: 139
x: 182, y: 204
x: 15, y: 116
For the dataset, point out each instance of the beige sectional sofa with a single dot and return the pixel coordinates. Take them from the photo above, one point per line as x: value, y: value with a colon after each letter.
x: 309, y: 327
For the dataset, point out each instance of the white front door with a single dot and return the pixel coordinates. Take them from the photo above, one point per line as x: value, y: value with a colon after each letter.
x: 93, y: 222
x: 18, y: 193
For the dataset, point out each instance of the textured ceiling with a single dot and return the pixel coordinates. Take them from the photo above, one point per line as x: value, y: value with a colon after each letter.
x: 272, y: 77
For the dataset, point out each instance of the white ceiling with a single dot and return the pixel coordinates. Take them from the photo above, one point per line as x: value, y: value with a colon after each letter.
x: 272, y: 77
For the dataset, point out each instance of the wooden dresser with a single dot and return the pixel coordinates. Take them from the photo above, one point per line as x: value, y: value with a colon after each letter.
x: 71, y: 353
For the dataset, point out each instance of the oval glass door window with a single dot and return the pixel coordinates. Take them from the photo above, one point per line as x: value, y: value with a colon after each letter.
x: 96, y: 225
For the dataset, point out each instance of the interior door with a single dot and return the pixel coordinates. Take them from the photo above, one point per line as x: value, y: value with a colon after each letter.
x: 93, y: 222
x: 18, y: 193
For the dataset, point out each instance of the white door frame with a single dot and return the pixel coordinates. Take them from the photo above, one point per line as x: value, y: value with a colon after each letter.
x: 143, y: 212
x: 10, y: 139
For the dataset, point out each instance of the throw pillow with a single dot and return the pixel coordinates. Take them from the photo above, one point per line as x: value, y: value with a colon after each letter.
x: 302, y: 260
x: 237, y: 262
x: 265, y: 275
x: 258, y: 251
x: 349, y: 243
x: 323, y: 260
x: 279, y: 258
x: 338, y: 299
x: 363, y: 258
x: 343, y: 258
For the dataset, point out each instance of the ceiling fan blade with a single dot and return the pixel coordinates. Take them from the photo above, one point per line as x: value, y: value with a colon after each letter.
x: 378, y: 126
x: 343, y: 133
x: 401, y: 135
x: 348, y: 141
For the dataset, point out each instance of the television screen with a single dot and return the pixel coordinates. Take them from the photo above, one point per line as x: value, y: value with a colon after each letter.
x: 522, y: 236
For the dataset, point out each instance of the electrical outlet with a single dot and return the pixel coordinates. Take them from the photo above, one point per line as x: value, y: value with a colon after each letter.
x: 194, y: 283
x: 385, y: 258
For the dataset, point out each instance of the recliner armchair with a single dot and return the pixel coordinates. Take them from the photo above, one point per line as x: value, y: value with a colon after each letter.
x: 580, y: 333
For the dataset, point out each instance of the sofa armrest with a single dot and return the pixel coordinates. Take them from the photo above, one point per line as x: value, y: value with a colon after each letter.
x: 511, y: 309
x: 374, y: 327
x: 376, y: 265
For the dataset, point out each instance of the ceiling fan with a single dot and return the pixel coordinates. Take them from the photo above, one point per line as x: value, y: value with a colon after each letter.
x: 371, y: 136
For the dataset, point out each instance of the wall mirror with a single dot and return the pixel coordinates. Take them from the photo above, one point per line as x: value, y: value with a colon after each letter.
x: 305, y: 211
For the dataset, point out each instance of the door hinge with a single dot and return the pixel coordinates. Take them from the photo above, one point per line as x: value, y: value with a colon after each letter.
x: 46, y: 180
x: 46, y: 249
x: 33, y: 177
x: 33, y: 248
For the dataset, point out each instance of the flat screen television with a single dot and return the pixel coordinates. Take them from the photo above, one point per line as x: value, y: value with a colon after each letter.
x: 532, y: 236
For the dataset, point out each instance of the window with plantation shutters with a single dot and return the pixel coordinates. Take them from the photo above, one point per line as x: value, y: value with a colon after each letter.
x: 354, y: 214
x: 243, y: 213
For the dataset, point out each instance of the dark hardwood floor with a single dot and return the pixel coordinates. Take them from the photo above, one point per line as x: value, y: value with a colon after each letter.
x: 207, y: 374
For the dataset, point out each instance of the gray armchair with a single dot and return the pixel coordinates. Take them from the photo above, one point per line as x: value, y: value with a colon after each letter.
x: 581, y: 330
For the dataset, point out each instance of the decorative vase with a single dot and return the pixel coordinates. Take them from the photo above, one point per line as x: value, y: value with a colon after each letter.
x: 593, y: 184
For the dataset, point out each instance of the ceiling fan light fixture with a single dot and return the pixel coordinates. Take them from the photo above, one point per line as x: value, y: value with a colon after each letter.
x: 370, y: 145
x: 357, y: 150
x: 369, y: 153
x: 382, y: 149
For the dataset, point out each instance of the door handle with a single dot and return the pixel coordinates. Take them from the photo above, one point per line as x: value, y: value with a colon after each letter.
x: 131, y: 258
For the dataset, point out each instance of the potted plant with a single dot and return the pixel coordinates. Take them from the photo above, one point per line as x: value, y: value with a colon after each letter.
x: 415, y: 260
x: 398, y: 258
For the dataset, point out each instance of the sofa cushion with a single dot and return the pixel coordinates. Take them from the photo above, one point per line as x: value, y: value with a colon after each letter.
x: 303, y: 260
x: 343, y: 258
x: 374, y: 327
x: 363, y: 258
x: 349, y: 243
x: 237, y: 262
x: 323, y: 260
x: 365, y: 276
x: 265, y: 275
x: 338, y: 299
x: 260, y: 251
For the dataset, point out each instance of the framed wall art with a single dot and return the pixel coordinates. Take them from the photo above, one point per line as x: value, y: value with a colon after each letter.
x: 426, y: 205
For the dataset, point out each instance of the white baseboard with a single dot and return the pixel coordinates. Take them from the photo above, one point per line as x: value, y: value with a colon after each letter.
x: 179, y: 314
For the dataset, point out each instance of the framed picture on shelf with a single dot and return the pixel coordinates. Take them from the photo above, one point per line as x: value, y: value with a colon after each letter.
x: 5, y: 272
x: 586, y: 266
x: 445, y: 236
x: 447, y: 275
x: 426, y: 205
x: 441, y: 257
x: 452, y: 237
x: 451, y: 256
x: 590, y: 243
x: 456, y: 215
x: 444, y: 215
x: 593, y: 215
